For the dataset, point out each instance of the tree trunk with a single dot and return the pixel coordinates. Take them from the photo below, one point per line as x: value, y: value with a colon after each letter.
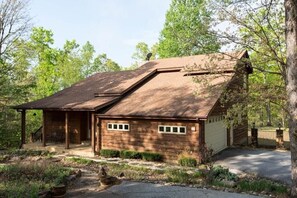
x: 291, y: 84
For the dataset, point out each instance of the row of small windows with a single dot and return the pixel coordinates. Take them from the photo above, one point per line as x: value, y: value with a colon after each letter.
x: 172, y: 129
x: 215, y: 119
x: 162, y: 128
x: 118, y: 126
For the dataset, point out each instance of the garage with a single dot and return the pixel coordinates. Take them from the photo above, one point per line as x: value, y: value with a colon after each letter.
x: 216, y: 133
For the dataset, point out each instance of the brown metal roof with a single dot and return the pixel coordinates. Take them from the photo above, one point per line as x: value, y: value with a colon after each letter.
x: 172, y: 94
x: 102, y: 89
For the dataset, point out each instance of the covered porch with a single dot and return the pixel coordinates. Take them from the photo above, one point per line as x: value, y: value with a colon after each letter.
x: 63, y: 130
x: 84, y: 149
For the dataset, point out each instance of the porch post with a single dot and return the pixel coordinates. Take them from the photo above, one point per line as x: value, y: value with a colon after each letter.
x: 23, y: 134
x: 67, y: 139
x: 43, y: 128
x: 93, y: 131
x: 98, y: 130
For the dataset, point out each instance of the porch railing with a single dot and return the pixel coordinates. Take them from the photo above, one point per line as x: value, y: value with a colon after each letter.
x: 37, y: 135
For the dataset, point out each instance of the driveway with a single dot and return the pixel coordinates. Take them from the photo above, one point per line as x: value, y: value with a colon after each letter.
x: 271, y: 164
x: 88, y: 187
x: 147, y: 190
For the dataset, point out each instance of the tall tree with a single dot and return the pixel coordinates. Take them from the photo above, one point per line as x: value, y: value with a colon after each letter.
x: 187, y: 30
x: 15, y: 80
x: 141, y: 51
x: 14, y: 23
x: 291, y: 84
x: 271, y: 38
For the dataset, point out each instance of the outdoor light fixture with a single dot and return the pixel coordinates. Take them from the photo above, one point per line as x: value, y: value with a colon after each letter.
x: 254, y: 125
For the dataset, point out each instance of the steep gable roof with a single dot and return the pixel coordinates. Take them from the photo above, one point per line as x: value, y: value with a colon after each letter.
x: 102, y: 89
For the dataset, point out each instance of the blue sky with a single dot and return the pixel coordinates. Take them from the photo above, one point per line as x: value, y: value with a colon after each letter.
x: 114, y: 27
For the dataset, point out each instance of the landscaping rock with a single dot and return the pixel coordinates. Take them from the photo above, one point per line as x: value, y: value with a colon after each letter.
x: 229, y: 183
x: 15, y: 159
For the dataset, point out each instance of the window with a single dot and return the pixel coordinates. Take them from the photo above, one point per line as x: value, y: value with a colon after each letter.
x: 117, y: 126
x: 172, y: 129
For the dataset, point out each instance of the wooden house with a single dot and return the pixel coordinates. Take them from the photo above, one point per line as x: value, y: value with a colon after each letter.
x: 159, y: 107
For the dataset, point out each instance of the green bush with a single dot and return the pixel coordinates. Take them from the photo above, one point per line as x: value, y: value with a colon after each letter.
x: 151, y: 156
x: 219, y: 173
x: 130, y: 154
x: 187, y: 161
x: 109, y: 153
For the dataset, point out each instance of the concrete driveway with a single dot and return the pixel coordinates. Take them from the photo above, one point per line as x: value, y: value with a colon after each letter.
x: 271, y: 164
x: 147, y: 190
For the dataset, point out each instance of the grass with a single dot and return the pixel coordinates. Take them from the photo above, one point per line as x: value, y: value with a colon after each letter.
x: 181, y: 176
x: 80, y: 160
x: 261, y: 185
x: 26, y: 180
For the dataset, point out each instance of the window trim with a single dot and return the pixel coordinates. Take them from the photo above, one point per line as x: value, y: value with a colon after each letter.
x: 171, y: 129
x: 117, y: 128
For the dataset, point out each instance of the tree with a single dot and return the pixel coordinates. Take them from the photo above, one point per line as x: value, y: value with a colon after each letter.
x: 45, y: 57
x: 291, y: 84
x: 15, y: 79
x: 104, y: 64
x: 14, y: 23
x: 141, y: 51
x: 187, y: 30
x: 271, y: 38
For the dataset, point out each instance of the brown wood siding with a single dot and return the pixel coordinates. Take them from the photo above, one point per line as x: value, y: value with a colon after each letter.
x: 144, y: 136
x: 55, y: 126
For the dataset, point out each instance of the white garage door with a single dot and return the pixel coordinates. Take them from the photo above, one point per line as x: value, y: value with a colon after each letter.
x: 215, y: 133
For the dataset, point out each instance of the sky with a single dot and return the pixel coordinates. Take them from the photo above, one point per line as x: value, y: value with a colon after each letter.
x: 114, y: 27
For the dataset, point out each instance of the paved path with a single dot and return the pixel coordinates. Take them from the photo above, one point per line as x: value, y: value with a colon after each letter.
x: 129, y: 189
x: 272, y: 164
x: 87, y: 186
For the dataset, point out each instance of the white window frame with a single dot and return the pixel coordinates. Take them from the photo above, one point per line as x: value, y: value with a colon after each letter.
x: 171, y: 129
x: 116, y: 126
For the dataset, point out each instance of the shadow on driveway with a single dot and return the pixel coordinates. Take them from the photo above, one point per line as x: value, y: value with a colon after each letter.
x: 272, y: 164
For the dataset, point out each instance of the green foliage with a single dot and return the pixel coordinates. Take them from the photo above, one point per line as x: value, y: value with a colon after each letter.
x: 151, y: 156
x: 80, y: 160
x: 187, y: 161
x: 27, y: 180
x: 187, y: 30
x: 130, y: 154
x: 181, y: 176
x: 109, y: 153
x: 218, y: 173
x: 261, y: 185
x: 141, y: 51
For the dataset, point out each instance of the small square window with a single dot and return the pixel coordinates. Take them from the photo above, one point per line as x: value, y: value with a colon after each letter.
x: 174, y: 129
x: 115, y: 126
x: 168, y: 129
x: 126, y: 127
x: 109, y: 126
x: 161, y: 128
x: 120, y: 126
x: 182, y: 130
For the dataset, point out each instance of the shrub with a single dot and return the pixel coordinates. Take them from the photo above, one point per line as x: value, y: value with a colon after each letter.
x: 218, y: 173
x: 109, y: 153
x: 130, y: 154
x: 187, y: 161
x: 151, y: 156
